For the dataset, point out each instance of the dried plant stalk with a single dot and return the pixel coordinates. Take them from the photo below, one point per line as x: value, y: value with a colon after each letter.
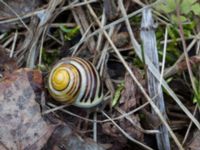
x: 155, y: 91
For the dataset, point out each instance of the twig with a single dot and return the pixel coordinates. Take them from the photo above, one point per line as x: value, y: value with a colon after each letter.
x: 172, y: 70
x: 55, y: 39
x: 154, y: 86
x: 190, y: 125
x: 155, y: 72
x: 135, y: 125
x: 41, y: 46
x: 14, y: 43
x: 163, y: 58
x: 133, y: 76
x: 55, y: 109
x: 95, y: 127
x: 80, y: 42
x: 99, y: 121
x: 8, y: 41
x: 100, y: 37
x: 181, y: 32
x: 3, y: 2
x: 155, y: 108
x: 125, y: 134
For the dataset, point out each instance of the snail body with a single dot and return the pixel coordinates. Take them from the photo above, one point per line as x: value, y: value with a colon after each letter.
x: 75, y: 81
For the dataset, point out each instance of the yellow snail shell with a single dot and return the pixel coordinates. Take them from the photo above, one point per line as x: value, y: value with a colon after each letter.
x: 76, y: 81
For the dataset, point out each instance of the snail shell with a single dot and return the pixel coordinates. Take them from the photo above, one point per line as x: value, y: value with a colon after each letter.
x: 76, y: 81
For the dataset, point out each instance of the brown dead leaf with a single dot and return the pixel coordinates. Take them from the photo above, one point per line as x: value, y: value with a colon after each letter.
x: 150, y: 121
x: 63, y: 138
x: 7, y: 64
x: 121, y: 39
x: 22, y: 127
x: 130, y: 129
x: 131, y: 94
x: 111, y: 10
x: 194, y: 144
x: 109, y: 129
x: 21, y: 123
x: 182, y: 66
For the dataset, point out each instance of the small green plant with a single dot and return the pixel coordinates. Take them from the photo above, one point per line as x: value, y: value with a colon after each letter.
x: 196, y: 98
x: 117, y: 94
x: 49, y: 58
x: 186, y: 7
x: 69, y: 33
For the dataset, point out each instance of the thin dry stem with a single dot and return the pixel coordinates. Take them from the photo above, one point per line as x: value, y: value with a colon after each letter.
x: 3, y: 2
x: 126, y: 134
x: 14, y: 44
x: 133, y: 76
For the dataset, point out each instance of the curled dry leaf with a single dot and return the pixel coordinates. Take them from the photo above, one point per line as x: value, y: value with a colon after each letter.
x: 21, y: 123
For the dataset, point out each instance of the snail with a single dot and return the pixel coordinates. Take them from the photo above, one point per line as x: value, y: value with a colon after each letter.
x: 74, y: 80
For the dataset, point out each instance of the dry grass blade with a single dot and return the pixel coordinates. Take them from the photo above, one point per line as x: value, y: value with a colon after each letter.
x: 95, y: 127
x: 126, y: 134
x: 190, y: 125
x: 156, y: 73
x: 181, y: 32
x: 134, y: 78
x: 135, y: 125
x: 14, y: 44
x: 173, y: 69
x: 115, y: 22
x: 3, y: 2
x: 44, y: 19
x: 55, y: 109
x: 90, y: 120
x: 164, y: 57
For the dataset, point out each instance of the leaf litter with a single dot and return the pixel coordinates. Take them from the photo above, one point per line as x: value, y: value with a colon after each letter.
x: 21, y: 113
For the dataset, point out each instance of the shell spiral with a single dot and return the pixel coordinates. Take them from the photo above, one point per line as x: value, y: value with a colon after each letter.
x: 76, y: 81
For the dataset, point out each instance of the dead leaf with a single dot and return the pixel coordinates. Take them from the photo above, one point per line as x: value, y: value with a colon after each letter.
x: 131, y: 94
x: 182, y: 66
x: 21, y: 123
x: 109, y: 129
x: 194, y: 144
x: 121, y: 39
x: 129, y: 128
x: 65, y: 138
x: 7, y: 64
x: 111, y: 10
x: 22, y: 127
x: 150, y: 121
x: 129, y: 98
